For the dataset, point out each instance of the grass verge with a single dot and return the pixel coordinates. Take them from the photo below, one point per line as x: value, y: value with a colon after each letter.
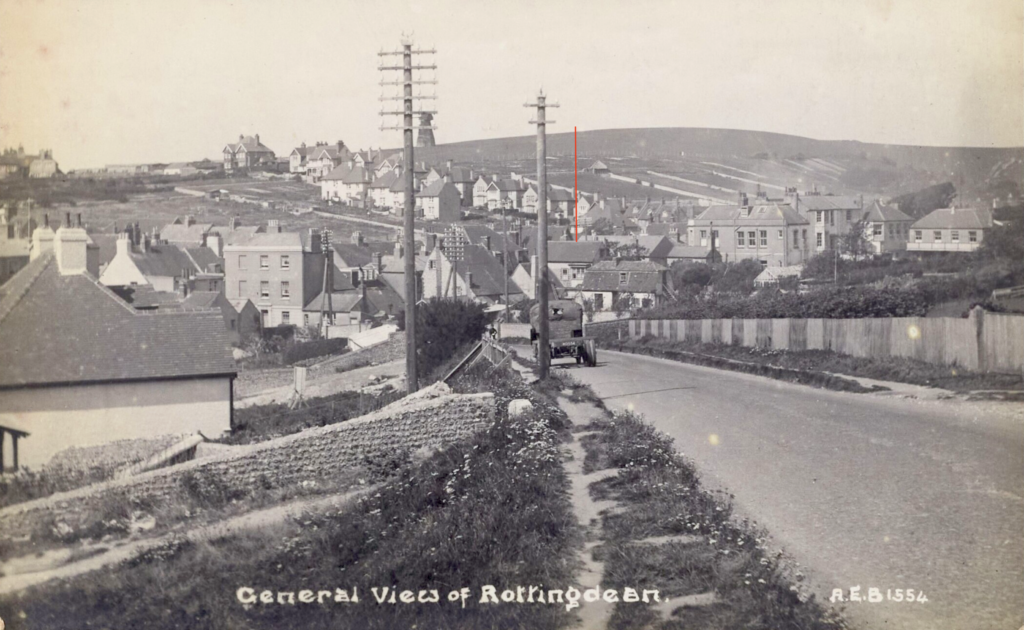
x: 490, y: 510
x: 815, y: 367
x: 662, y: 496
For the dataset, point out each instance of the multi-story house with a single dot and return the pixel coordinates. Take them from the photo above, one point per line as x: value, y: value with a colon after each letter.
x: 766, y: 231
x: 379, y: 190
x: 279, y: 271
x: 478, y: 276
x: 440, y: 201
x: 43, y: 166
x: 831, y: 216
x: 297, y: 159
x: 323, y: 158
x: 501, y: 189
x: 480, y: 187
x: 247, y: 153
x: 886, y: 228
x: 569, y: 260
x: 950, y: 230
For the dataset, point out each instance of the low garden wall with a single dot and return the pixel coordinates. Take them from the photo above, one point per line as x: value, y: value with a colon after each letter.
x: 428, y: 420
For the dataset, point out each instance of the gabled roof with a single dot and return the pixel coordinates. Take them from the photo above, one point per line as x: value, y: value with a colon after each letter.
x: 642, y: 276
x: 350, y: 255
x: 282, y: 240
x: 93, y: 335
x: 461, y: 175
x: 828, y: 202
x: 250, y: 144
x: 598, y: 165
x: 956, y: 218
x: 505, y: 185
x: 436, y: 188
x: 558, y: 194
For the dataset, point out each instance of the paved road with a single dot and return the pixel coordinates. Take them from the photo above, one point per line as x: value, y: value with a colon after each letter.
x: 860, y: 489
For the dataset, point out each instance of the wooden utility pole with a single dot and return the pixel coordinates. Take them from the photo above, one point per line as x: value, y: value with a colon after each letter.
x: 407, y: 112
x: 542, y: 285
x: 326, y: 304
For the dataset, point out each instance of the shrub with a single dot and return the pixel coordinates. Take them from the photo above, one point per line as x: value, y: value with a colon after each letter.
x: 443, y: 325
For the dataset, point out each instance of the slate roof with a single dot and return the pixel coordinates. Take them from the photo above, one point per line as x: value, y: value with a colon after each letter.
x: 93, y: 335
x: 349, y: 255
x: 642, y: 276
x: 250, y: 144
x: 144, y: 296
x: 955, y: 218
x: 204, y: 258
x: 828, y: 202
x: 461, y: 175
x: 357, y: 175
x: 339, y: 172
x: 386, y: 180
x: 680, y: 251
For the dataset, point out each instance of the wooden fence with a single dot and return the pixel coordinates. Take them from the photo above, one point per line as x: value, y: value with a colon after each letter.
x: 987, y: 342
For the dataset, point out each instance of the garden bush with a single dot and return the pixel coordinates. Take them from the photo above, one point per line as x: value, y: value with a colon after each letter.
x: 443, y: 326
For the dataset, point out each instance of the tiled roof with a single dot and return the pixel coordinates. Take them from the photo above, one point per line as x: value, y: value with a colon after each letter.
x: 201, y: 299
x: 573, y: 252
x: 680, y: 251
x: 93, y: 335
x: 357, y: 175
x: 386, y: 180
x: 349, y: 255
x: 461, y: 175
x: 288, y: 240
x: 828, y: 202
x: 956, y: 218
x: 338, y: 173
x: 144, y: 296
x: 641, y: 277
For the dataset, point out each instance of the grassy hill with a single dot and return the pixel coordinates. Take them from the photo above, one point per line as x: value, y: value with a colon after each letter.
x: 980, y: 168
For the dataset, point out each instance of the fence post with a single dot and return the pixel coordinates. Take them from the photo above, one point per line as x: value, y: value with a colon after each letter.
x: 978, y: 314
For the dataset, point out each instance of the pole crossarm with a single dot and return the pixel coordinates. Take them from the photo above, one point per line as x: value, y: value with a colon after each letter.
x: 382, y: 68
x: 411, y: 111
x: 424, y: 51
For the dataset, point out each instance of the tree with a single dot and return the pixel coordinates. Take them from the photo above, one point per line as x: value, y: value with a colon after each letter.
x: 443, y: 326
x: 921, y: 202
x: 623, y: 305
x: 855, y: 241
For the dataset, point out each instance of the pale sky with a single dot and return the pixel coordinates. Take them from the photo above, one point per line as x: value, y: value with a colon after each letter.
x: 125, y: 81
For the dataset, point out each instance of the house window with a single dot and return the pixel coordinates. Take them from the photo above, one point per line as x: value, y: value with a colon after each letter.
x: 264, y: 261
x: 703, y: 234
x: 955, y: 236
x: 565, y: 273
x: 820, y: 239
x: 848, y: 216
x: 286, y: 290
x: 796, y: 239
x: 241, y: 288
x: 819, y: 216
x: 972, y: 236
x: 781, y: 235
x: 286, y: 317
x: 764, y: 238
x: 740, y: 242
x: 213, y: 285
x: 937, y: 236
x: 917, y: 236
x: 265, y: 289
x: 286, y: 262
x: 242, y: 263
x: 622, y: 277
x: 752, y: 238
x: 876, y: 229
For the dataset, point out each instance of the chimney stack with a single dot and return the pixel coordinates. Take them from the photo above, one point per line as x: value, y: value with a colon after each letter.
x: 74, y: 251
x: 42, y: 239
x: 124, y: 244
x: 378, y: 260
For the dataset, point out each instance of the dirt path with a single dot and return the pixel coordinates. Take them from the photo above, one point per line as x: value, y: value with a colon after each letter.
x: 125, y: 550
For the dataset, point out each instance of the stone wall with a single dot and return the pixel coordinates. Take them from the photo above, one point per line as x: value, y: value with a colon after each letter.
x: 428, y: 420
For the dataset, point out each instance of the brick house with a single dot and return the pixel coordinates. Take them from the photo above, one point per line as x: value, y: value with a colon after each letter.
x: 766, y: 231
x: 279, y: 271
x: 247, y: 153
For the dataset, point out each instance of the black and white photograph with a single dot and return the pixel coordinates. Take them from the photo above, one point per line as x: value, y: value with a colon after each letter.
x: 565, y: 315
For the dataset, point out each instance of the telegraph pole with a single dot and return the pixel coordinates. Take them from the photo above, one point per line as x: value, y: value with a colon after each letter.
x: 407, y: 112
x: 544, y: 350
x: 326, y: 305
x: 505, y: 203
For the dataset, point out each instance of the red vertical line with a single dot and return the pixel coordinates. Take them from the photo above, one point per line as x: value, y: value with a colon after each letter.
x: 576, y: 184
